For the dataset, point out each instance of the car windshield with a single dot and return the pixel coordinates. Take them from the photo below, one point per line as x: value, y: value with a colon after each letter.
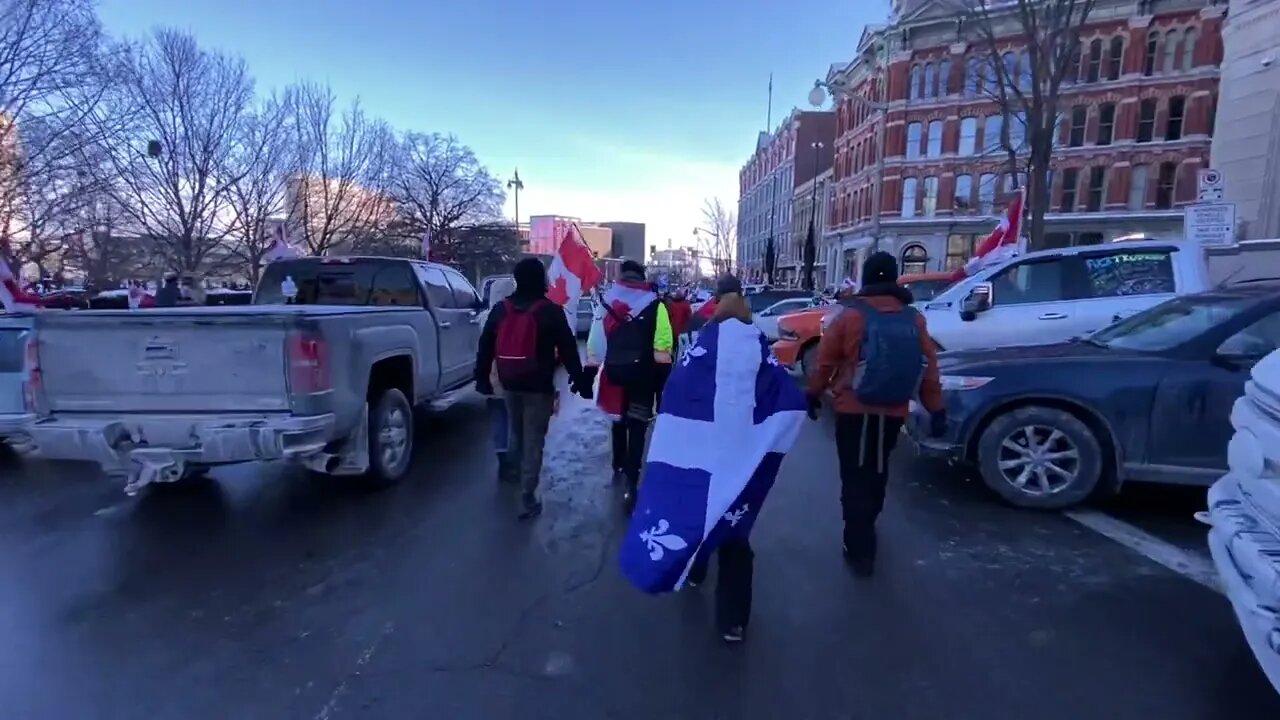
x: 1171, y: 323
x: 923, y: 290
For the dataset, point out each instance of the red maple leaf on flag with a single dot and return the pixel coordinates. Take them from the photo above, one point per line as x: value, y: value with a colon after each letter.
x: 558, y: 293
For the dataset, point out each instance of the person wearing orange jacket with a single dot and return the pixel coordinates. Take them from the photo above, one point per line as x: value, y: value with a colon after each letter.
x: 874, y: 358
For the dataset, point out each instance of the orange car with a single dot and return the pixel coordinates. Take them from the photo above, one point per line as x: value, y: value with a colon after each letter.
x: 799, y: 332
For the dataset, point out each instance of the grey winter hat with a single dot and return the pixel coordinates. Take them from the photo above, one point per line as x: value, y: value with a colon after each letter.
x: 728, y: 283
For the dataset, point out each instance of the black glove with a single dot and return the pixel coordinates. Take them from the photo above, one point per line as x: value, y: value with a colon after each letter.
x: 589, y: 374
x: 484, y: 387
x: 938, y: 423
x: 582, y: 387
x: 814, y: 406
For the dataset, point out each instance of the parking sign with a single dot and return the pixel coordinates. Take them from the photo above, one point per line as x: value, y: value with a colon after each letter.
x: 1211, y: 224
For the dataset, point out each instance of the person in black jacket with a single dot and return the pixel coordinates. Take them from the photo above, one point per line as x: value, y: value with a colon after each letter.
x: 531, y: 401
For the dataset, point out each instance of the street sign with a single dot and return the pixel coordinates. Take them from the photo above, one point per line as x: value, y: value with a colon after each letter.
x: 1209, y: 186
x: 1211, y: 224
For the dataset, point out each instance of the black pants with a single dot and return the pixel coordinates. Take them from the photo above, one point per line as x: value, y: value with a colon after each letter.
x: 733, y: 584
x: 628, y: 434
x: 863, y: 444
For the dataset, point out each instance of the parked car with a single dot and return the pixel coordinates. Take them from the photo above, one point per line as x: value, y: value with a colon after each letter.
x: 767, y: 319
x: 1244, y: 512
x: 585, y: 316
x: 65, y: 299
x: 1144, y: 400
x: 1052, y: 295
x: 323, y: 369
x: 16, y: 346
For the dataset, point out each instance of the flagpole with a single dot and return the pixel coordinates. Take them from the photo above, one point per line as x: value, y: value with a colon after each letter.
x: 768, y: 123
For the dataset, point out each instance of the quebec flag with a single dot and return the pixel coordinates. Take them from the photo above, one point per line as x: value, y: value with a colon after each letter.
x: 729, y: 415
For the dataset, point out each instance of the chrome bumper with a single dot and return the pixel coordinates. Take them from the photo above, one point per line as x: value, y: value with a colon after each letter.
x: 157, y: 448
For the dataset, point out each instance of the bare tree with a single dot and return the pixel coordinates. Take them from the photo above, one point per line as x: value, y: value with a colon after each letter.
x: 338, y: 171
x: 49, y: 52
x: 440, y: 186
x: 258, y: 163
x: 717, y: 237
x: 1028, y: 50
x: 169, y: 124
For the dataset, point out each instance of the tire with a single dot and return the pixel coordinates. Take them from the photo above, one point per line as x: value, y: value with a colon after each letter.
x: 1073, y: 449
x: 808, y: 358
x: 390, y: 439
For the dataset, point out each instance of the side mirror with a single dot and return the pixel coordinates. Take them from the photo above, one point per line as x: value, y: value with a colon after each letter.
x: 479, y: 305
x: 977, y: 301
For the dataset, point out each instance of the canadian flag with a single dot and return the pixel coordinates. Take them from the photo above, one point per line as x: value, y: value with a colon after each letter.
x: 280, y: 247
x: 1003, y: 243
x: 12, y: 298
x: 573, y: 272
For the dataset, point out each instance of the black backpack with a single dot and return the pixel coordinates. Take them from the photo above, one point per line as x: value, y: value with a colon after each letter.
x: 628, y: 355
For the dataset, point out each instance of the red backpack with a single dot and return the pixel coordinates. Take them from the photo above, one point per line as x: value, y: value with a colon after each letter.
x: 517, y: 346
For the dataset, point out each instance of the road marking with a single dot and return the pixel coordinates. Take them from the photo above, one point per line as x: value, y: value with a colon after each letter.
x: 366, y: 655
x: 1187, y: 564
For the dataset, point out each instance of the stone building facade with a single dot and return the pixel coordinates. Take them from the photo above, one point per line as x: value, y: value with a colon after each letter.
x: 1136, y: 116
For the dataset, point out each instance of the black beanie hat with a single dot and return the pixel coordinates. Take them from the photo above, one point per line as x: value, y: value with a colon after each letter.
x: 879, y: 268
x: 530, y: 277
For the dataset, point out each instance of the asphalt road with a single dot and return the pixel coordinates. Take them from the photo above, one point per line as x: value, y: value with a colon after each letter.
x: 265, y: 593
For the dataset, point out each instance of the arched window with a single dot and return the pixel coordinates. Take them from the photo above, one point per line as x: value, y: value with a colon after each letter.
x: 1115, y: 58
x: 1171, y: 43
x: 971, y: 77
x: 991, y: 141
x: 1153, y: 49
x: 914, y: 130
x: 909, y: 199
x: 944, y: 77
x: 1138, y: 187
x: 930, y: 196
x: 913, y: 89
x: 968, y: 136
x: 915, y: 259
x: 1010, y: 67
x: 964, y: 193
x: 930, y: 82
x: 1189, y: 49
x: 986, y: 192
x: 933, y: 141
x: 1095, y: 61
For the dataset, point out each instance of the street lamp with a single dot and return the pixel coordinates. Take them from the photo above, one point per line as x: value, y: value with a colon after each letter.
x: 517, y: 185
x: 840, y: 91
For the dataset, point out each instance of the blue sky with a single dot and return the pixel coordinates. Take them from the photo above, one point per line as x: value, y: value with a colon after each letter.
x: 612, y: 110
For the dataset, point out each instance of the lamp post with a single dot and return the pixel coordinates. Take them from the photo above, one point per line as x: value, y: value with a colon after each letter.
x: 516, y: 184
x: 818, y: 96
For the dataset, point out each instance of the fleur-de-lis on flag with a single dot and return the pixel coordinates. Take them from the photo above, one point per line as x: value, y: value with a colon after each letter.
x: 658, y: 540
x: 733, y: 516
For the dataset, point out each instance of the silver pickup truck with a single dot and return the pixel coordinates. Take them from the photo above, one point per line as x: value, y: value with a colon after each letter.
x: 16, y: 344
x: 323, y: 369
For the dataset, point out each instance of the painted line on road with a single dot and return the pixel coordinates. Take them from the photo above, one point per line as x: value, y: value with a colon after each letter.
x: 1185, y: 563
x: 327, y: 712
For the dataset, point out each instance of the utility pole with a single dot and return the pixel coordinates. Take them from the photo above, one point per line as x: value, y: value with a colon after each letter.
x: 517, y: 185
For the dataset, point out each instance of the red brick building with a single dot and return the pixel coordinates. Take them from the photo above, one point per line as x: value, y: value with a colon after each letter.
x: 1136, y: 118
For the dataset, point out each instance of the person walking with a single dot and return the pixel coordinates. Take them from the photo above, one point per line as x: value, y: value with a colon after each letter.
x: 638, y: 347
x: 526, y: 337
x: 875, y: 357
x: 169, y: 294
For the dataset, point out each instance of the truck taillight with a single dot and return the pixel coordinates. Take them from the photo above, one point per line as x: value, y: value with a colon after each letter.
x: 308, y: 356
x: 34, y: 383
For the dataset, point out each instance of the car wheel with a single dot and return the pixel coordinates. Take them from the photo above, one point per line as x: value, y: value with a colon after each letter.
x: 809, y: 358
x: 390, y: 438
x: 1040, y: 457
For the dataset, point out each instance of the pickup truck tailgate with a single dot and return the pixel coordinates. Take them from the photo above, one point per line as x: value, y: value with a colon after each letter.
x: 162, y: 362
x: 13, y: 341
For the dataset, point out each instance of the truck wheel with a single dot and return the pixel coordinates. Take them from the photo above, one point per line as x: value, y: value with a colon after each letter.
x: 1040, y: 457
x: 390, y: 438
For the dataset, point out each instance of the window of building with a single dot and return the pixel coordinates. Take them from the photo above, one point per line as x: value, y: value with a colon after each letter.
x: 964, y: 193
x: 1013, y: 181
x: 1189, y: 49
x: 1010, y: 68
x: 915, y: 260
x: 959, y: 250
x: 944, y: 77
x: 1177, y: 110
x: 1097, y: 188
x: 933, y: 141
x: 1147, y: 120
x: 1115, y: 58
x: 1095, y: 61
x: 971, y: 77
x: 1166, y: 183
x: 991, y: 130
x: 930, y: 82
x: 1213, y: 111
x: 909, y: 192
x: 1070, y: 181
x: 930, y: 196
x: 987, y: 193
x: 1073, y: 65
x: 914, y: 131
x: 1171, y: 46
x: 1138, y: 187
x: 1106, y: 123
x: 1024, y: 70
x: 968, y: 136
x: 1079, y: 119
x: 913, y: 87
x: 1018, y: 131
x: 1153, y: 49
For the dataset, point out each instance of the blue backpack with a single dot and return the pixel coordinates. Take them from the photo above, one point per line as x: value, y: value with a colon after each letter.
x: 891, y: 363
